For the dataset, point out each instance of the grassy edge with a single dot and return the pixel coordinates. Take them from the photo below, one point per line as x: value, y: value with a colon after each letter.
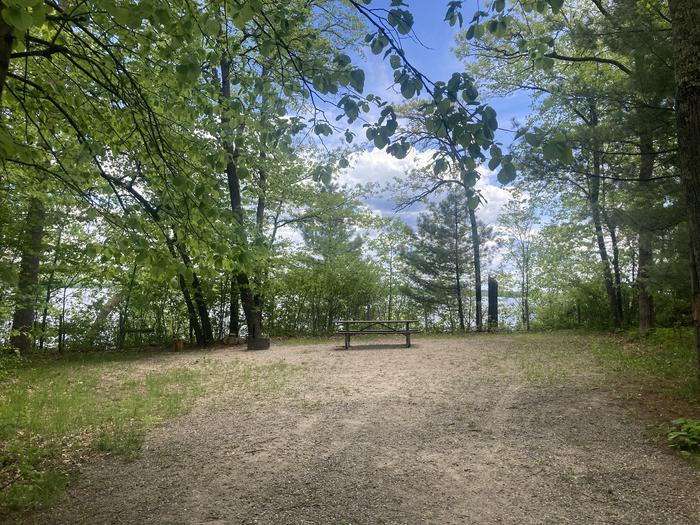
x: 655, y: 373
x: 55, y: 414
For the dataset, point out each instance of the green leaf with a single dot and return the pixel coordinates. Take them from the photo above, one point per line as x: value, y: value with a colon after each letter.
x: 380, y: 141
x: 323, y: 128
x: 473, y: 202
x: 556, y: 5
x: 533, y: 139
x: 547, y: 63
x: 357, y: 80
x: 343, y: 60
x: 401, y: 19
x: 17, y: 17
x: 470, y: 32
x: 558, y: 149
x: 408, y: 88
x: 507, y: 174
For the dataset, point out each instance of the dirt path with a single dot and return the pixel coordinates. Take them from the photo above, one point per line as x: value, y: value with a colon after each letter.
x: 447, y: 431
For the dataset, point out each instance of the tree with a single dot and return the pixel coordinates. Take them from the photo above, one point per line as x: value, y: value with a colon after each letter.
x: 518, y: 223
x: 686, y: 52
x: 439, y: 255
x: 389, y: 244
x: 27, y: 286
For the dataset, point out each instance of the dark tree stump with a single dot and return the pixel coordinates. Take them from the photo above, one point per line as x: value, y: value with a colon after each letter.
x: 493, y: 304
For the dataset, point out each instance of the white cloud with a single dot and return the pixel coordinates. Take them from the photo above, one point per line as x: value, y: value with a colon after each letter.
x: 495, y: 195
x: 377, y: 167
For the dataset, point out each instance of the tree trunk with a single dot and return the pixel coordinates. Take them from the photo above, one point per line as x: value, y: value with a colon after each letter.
x: 458, y: 274
x: 686, y: 54
x: 391, y: 282
x: 25, y: 298
x: 617, y: 275
x: 124, y: 312
x: 49, y: 289
x: 197, y: 310
x: 6, y: 38
x: 234, y: 311
x: 646, y: 258
x: 102, y: 316
x: 477, y: 267
x: 251, y: 307
x: 203, y: 311
x: 62, y: 324
x: 593, y: 199
x: 493, y: 304
x: 526, y: 292
x: 195, y: 327
x: 460, y: 303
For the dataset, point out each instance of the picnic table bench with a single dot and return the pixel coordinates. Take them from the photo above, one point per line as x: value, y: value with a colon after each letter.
x: 349, y: 328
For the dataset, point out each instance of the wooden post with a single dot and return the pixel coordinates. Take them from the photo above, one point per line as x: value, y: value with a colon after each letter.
x: 493, y: 304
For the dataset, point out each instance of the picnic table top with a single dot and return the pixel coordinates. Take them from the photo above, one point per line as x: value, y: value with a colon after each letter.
x: 390, y: 331
x: 380, y: 321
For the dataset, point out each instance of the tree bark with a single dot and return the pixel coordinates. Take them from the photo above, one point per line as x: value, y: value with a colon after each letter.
x: 525, y: 292
x: 594, y: 202
x: 62, y: 324
x: 493, y: 304
x: 194, y: 324
x: 6, y: 39
x: 49, y: 289
x: 251, y: 308
x: 234, y: 311
x: 458, y: 273
x: 617, y: 274
x: 476, y: 246
x: 686, y: 55
x: 646, y: 257
x: 207, y: 333
x: 25, y: 298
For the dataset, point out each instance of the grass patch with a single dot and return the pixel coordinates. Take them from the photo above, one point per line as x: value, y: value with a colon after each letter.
x: 55, y: 413
x: 552, y: 358
x: 665, y: 357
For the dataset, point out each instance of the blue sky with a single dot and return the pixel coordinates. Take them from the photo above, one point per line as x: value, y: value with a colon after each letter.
x: 433, y: 56
x: 436, y: 59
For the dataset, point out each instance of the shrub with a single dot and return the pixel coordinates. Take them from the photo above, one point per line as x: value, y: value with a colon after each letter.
x: 685, y: 435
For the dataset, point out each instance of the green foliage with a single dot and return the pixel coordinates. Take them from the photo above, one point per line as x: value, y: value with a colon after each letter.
x: 329, y: 278
x: 439, y: 262
x: 685, y: 435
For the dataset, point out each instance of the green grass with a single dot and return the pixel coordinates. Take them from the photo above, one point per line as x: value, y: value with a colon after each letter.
x: 551, y: 358
x: 665, y: 357
x: 663, y: 362
x: 54, y: 413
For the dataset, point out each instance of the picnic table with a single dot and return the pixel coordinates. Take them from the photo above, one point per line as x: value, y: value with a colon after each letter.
x: 349, y: 328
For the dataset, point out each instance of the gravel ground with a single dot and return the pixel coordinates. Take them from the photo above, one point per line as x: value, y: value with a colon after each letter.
x: 448, y: 431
